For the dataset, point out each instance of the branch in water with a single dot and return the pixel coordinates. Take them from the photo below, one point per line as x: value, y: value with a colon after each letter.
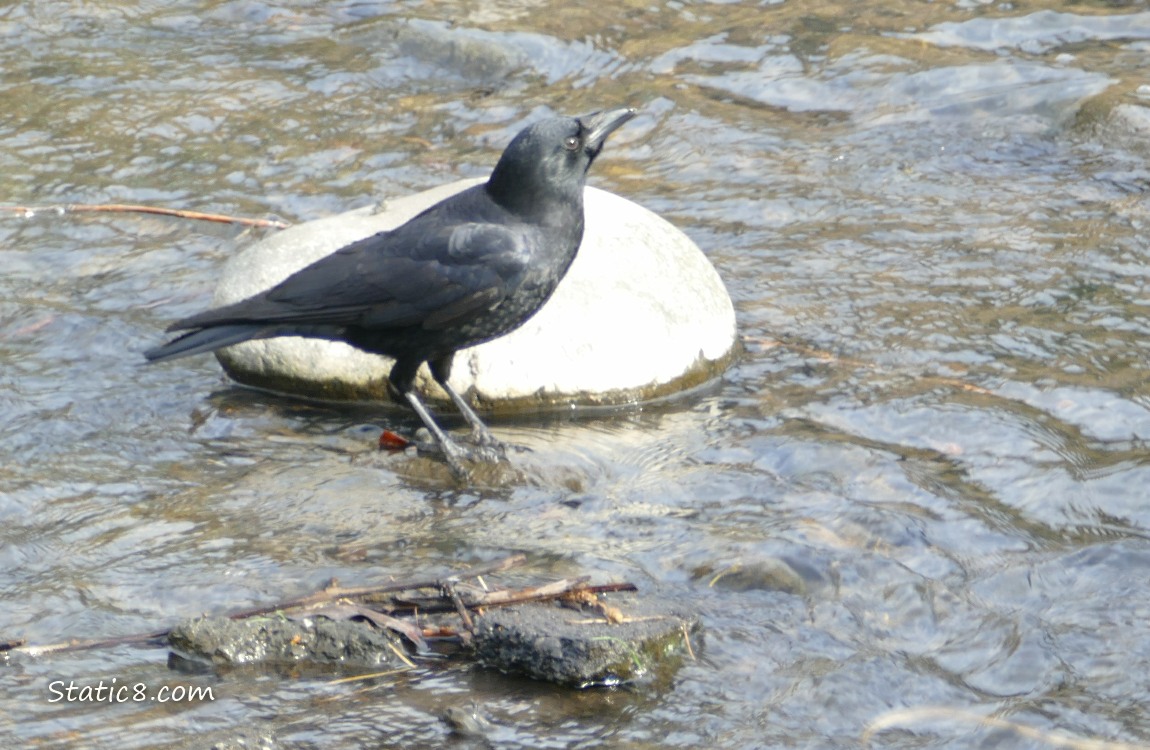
x: 76, y: 208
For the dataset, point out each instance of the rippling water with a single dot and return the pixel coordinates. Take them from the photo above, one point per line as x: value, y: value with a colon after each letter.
x: 921, y: 488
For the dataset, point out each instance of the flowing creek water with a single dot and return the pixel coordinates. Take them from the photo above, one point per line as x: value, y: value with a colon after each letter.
x: 919, y: 495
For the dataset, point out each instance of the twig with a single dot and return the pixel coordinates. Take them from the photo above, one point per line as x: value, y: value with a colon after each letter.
x: 334, y: 592
x: 409, y: 630
x: 76, y: 208
x: 449, y: 590
x: 372, y: 676
x: 347, y: 611
x: 402, y: 656
x: 331, y: 593
x: 506, y: 597
x: 90, y: 643
x: 687, y: 642
x: 620, y: 620
x: 328, y: 594
x: 546, y: 591
x: 607, y: 588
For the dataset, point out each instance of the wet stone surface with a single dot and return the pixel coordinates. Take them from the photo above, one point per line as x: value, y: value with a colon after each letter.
x: 581, y: 649
x: 276, y: 641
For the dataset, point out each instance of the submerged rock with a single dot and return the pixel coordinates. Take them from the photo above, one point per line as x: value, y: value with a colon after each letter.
x: 1134, y: 117
x: 570, y: 647
x: 278, y: 640
x: 467, y: 722
x: 642, y: 313
x: 766, y: 573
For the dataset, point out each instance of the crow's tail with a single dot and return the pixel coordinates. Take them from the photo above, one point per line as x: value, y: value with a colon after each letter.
x: 208, y: 340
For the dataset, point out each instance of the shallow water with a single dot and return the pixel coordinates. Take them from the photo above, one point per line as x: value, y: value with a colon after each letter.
x: 921, y: 487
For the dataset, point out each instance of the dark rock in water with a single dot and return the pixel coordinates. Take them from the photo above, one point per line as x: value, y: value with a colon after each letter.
x: 277, y: 640
x: 467, y: 722
x: 581, y: 648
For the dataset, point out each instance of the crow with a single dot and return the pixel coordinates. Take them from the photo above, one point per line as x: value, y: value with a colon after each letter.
x: 467, y: 270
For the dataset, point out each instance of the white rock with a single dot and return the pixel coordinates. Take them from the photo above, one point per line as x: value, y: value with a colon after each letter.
x: 641, y: 313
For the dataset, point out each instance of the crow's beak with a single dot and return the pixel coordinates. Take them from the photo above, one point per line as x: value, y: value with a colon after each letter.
x: 599, y: 125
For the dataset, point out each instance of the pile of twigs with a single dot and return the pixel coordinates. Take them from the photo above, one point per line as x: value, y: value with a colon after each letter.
x: 395, y: 605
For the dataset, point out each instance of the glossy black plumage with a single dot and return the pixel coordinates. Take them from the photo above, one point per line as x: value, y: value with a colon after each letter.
x: 467, y: 270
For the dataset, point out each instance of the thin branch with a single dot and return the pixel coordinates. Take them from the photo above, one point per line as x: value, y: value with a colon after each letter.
x: 450, y: 600
x: 507, y: 597
x: 546, y: 591
x: 460, y: 607
x: 89, y: 643
x: 328, y: 594
x: 77, y: 208
x: 331, y: 593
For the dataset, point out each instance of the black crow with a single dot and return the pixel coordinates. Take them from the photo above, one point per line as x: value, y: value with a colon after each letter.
x: 467, y: 270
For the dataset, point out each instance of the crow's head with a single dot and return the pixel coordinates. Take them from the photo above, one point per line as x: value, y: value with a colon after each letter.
x: 548, y: 161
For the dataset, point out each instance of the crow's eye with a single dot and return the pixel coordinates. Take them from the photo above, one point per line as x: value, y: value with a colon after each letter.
x: 571, y: 143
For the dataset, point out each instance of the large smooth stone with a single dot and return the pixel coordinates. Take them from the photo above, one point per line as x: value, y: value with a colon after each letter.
x: 641, y: 313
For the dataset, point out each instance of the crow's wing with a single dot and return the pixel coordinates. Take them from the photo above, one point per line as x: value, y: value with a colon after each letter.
x: 411, y: 276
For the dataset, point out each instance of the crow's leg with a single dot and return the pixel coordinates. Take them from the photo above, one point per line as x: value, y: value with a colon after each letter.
x: 441, y: 371
x: 489, y: 448
x: 453, y: 452
x: 400, y: 383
